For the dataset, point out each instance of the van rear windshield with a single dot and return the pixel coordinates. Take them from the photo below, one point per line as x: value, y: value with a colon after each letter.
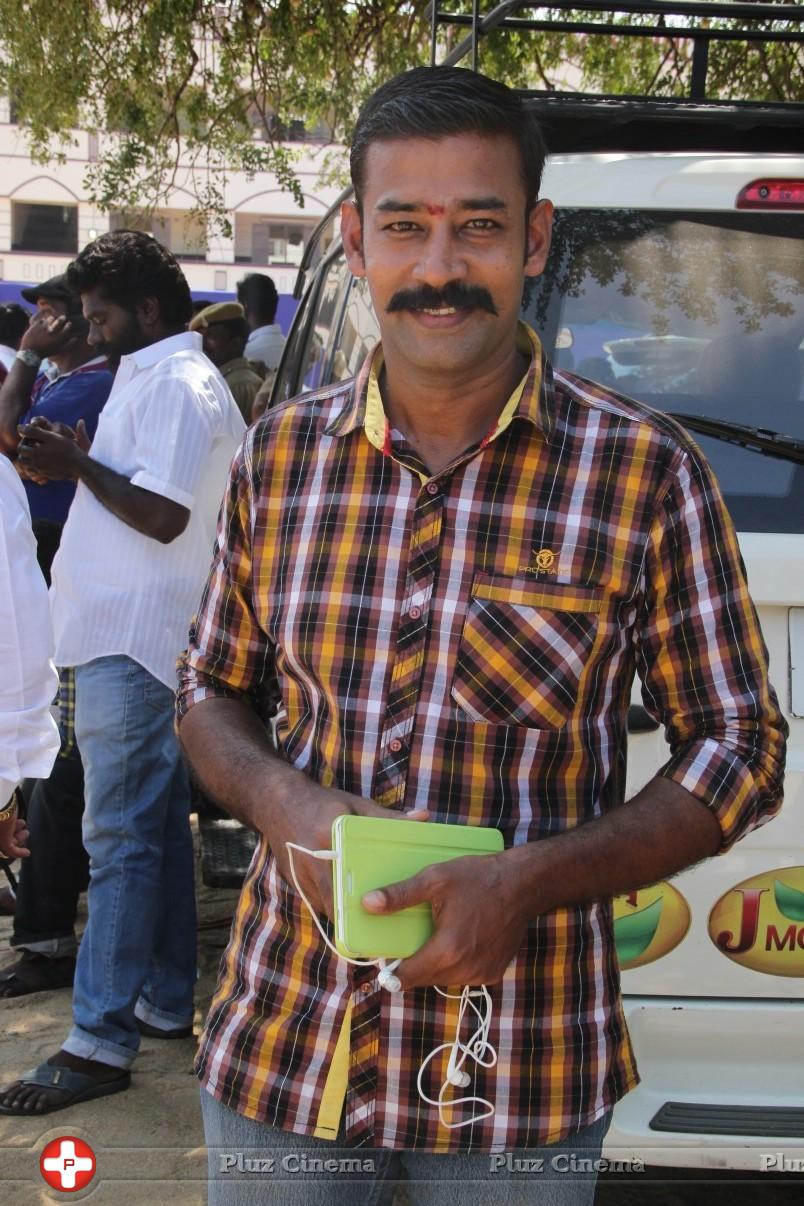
x: 694, y: 313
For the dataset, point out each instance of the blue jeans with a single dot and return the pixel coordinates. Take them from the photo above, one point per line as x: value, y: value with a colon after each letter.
x: 137, y: 956
x: 251, y: 1163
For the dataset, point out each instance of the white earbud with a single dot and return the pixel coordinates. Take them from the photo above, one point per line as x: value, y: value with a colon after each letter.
x: 461, y: 1080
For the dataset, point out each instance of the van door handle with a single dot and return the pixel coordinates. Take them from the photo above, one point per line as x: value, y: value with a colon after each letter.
x: 640, y: 720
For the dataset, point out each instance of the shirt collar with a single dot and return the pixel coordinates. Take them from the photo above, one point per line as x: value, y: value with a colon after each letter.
x: 185, y: 341
x: 271, y: 326
x: 532, y: 399
x: 52, y: 373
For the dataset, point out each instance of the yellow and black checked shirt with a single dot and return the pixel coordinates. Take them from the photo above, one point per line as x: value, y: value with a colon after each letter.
x: 468, y: 641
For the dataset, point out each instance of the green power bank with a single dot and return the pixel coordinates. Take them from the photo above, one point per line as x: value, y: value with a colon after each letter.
x: 372, y: 852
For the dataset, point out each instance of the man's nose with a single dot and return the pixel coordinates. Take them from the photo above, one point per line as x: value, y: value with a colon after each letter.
x: 441, y: 259
x: 93, y: 335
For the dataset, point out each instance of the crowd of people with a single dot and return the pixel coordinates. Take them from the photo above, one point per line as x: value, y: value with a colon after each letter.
x: 431, y: 588
x: 112, y: 358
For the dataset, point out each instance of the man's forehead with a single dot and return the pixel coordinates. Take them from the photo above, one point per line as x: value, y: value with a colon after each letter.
x: 93, y: 299
x: 443, y: 171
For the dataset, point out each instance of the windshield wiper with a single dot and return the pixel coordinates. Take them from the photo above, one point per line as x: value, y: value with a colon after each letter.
x: 770, y: 443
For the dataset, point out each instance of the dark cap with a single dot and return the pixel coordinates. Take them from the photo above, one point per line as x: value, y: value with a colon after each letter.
x: 56, y: 288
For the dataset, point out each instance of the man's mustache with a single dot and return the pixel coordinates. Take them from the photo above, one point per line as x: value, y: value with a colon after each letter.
x: 454, y: 295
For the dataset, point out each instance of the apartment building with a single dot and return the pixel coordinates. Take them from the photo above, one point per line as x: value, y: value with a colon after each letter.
x: 46, y: 217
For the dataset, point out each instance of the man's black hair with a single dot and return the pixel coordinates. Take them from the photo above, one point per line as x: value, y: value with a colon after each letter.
x: 14, y: 320
x: 129, y: 266
x: 436, y: 102
x: 257, y: 295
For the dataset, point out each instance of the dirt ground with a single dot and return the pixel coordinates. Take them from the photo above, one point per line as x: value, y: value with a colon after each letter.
x: 148, y: 1141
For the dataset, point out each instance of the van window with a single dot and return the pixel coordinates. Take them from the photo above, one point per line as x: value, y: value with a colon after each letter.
x: 691, y: 313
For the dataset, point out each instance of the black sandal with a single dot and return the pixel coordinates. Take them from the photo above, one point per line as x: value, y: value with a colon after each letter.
x: 36, y: 973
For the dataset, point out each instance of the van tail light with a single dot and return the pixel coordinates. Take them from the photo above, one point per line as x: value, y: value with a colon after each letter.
x: 772, y: 194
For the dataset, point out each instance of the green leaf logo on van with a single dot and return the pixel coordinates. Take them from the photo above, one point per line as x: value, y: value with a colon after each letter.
x: 649, y: 924
x: 633, y: 935
x: 789, y: 901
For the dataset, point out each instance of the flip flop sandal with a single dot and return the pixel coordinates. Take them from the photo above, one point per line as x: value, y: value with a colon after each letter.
x: 36, y: 973
x: 76, y: 1087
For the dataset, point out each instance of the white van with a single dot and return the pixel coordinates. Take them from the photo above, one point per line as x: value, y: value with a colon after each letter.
x: 677, y: 277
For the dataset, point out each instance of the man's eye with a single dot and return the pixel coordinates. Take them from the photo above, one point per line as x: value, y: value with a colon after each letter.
x: 402, y: 227
x: 483, y: 224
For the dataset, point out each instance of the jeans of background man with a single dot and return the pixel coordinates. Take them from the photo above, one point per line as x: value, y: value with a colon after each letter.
x: 546, y: 1176
x: 137, y: 958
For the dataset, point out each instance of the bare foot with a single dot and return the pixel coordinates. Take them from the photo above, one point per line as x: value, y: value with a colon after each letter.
x: 33, y: 1099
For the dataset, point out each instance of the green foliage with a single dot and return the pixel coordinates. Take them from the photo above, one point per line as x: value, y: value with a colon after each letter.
x: 175, y: 89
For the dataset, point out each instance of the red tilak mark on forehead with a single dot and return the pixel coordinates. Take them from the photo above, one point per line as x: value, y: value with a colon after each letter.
x: 435, y: 211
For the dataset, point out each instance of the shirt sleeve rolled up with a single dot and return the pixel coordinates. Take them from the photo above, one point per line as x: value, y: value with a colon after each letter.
x: 702, y: 658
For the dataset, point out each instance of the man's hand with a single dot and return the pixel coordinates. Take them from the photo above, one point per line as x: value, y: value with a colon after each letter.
x: 479, y: 927
x: 307, y: 821
x: 16, y: 844
x: 48, y: 335
x: 52, y: 451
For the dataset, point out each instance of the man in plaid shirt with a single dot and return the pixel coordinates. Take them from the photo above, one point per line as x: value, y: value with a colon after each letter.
x: 449, y: 569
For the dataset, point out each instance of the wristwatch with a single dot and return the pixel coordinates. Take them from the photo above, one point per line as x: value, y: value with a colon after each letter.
x: 28, y: 357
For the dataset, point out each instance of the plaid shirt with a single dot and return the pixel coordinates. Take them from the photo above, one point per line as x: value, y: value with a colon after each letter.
x: 468, y: 641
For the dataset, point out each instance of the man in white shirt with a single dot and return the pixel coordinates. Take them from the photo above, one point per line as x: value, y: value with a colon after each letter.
x: 29, y: 737
x: 258, y: 296
x: 126, y: 581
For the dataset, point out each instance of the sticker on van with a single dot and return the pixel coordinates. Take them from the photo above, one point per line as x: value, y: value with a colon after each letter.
x: 759, y: 923
x: 649, y: 924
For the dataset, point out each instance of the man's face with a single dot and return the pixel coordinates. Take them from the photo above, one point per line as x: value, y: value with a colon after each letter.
x: 220, y: 345
x: 444, y: 245
x: 113, y: 330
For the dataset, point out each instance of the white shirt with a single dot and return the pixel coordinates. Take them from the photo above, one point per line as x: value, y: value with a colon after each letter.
x: 29, y: 737
x: 265, y: 344
x: 7, y: 356
x: 171, y: 426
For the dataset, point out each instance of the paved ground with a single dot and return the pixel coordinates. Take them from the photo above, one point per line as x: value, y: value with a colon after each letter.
x: 149, y: 1142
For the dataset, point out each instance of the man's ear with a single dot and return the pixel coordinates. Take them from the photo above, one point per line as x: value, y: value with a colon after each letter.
x: 352, y: 236
x: 539, y: 232
x: 148, y: 311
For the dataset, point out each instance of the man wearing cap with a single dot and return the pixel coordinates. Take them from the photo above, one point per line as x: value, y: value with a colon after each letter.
x: 224, y: 330
x: 73, y: 389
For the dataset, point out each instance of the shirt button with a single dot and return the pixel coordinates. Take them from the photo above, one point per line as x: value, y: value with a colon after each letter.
x: 395, y: 745
x: 415, y: 613
x: 432, y: 488
x: 366, y: 988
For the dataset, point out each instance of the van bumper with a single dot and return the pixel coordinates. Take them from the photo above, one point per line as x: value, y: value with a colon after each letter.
x: 731, y: 1068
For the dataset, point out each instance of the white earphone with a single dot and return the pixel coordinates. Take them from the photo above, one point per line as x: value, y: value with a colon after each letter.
x: 478, y: 1047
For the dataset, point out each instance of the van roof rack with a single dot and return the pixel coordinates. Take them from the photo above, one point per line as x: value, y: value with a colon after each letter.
x: 575, y: 121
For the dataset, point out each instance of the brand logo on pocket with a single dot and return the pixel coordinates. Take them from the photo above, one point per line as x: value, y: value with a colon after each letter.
x: 542, y: 562
x: 759, y: 923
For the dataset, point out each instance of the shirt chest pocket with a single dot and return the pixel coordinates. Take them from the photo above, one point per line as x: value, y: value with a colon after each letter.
x: 523, y: 650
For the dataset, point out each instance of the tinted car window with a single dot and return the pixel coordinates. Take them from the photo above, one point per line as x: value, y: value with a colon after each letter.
x: 695, y: 314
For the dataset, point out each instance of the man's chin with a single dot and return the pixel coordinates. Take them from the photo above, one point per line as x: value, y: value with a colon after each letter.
x: 447, y: 349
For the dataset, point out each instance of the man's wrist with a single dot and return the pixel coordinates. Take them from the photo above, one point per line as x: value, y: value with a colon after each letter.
x: 81, y: 462
x: 29, y: 357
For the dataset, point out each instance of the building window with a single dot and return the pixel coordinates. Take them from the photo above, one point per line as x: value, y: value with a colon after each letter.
x: 259, y: 240
x: 51, y: 228
x: 180, y: 230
